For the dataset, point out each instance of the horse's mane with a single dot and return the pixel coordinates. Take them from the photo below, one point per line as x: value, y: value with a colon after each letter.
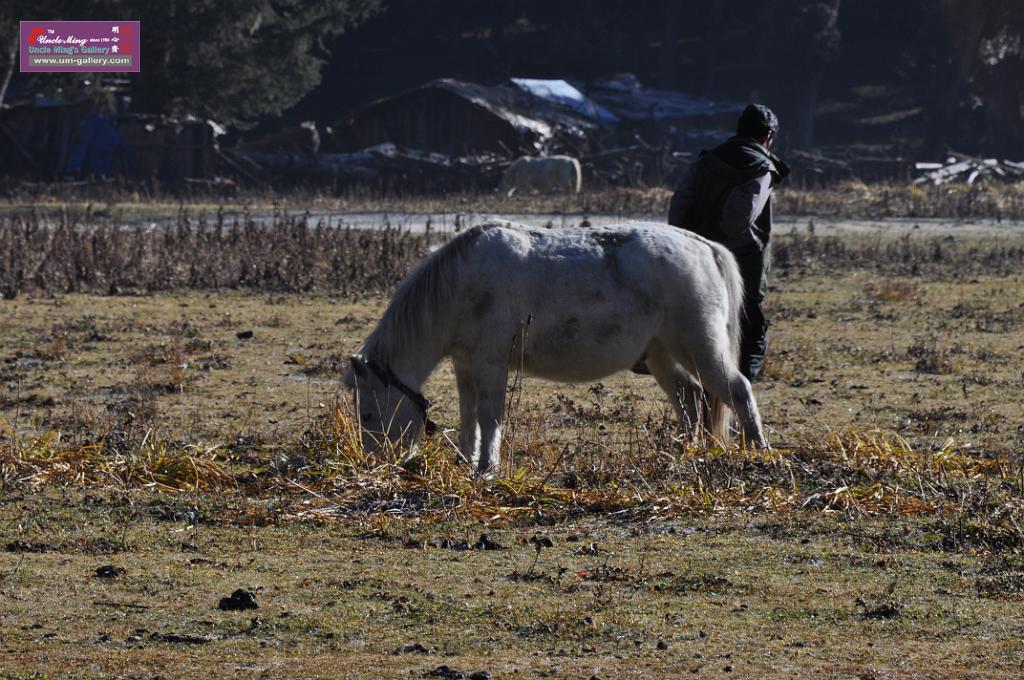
x: 418, y: 298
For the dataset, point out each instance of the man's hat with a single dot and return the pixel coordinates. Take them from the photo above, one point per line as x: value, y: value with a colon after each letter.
x: 756, y: 121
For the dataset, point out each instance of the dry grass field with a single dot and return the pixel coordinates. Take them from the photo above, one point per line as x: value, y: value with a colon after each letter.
x: 183, y: 422
x: 846, y: 199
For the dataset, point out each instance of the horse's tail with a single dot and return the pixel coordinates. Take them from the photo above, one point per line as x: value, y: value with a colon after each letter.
x: 720, y: 412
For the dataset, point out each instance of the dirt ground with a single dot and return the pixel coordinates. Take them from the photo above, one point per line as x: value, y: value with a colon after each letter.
x: 736, y: 597
x: 927, y: 356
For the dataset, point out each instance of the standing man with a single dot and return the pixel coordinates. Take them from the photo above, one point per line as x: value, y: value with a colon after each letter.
x: 726, y: 198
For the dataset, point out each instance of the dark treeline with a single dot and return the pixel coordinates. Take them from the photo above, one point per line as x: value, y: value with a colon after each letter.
x: 951, y: 70
x: 907, y: 76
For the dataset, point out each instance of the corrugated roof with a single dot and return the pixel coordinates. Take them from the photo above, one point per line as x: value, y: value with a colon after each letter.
x: 564, y: 94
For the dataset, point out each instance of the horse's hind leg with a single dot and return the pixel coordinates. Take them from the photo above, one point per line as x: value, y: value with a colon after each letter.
x: 698, y: 410
x: 746, y: 410
x: 730, y: 386
x: 684, y: 395
x: 469, y: 427
x: 721, y: 378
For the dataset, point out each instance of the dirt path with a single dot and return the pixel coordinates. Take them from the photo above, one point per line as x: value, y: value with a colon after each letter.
x: 419, y: 222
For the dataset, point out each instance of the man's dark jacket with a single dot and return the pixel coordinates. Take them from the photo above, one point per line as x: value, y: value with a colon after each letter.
x: 727, y: 199
x: 699, y: 203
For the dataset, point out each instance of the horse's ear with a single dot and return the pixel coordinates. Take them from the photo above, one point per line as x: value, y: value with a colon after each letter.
x: 358, y: 371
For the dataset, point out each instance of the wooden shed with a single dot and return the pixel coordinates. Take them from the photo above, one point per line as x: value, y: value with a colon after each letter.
x: 458, y: 119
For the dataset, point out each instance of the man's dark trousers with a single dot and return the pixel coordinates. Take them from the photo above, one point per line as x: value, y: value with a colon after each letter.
x: 754, y: 325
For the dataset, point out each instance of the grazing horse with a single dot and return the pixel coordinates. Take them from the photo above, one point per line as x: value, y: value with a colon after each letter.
x: 569, y: 305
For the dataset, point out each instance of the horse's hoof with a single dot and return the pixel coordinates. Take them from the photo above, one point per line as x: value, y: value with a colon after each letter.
x: 640, y: 367
x: 486, y: 474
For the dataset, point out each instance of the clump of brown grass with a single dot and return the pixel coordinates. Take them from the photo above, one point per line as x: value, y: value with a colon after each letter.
x: 892, y: 291
x: 929, y: 358
x: 46, y: 460
x: 327, y: 473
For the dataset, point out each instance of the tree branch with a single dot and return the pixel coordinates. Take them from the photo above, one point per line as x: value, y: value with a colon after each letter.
x: 12, y: 52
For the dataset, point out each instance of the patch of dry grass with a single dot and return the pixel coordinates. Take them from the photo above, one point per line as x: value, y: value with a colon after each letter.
x: 327, y: 474
x: 46, y: 460
x: 801, y: 252
x: 855, y: 199
x: 284, y: 253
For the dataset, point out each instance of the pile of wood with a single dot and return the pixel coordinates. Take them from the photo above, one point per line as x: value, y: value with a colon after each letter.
x: 384, y: 165
x: 634, y: 166
x: 968, y: 170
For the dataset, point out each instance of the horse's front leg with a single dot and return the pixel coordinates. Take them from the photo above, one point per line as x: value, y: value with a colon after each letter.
x: 490, y: 382
x: 469, y: 427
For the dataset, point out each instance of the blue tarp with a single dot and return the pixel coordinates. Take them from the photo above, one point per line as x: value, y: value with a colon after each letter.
x: 98, y: 148
x: 561, y: 92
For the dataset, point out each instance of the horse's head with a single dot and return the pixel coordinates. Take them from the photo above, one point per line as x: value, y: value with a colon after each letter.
x: 388, y: 410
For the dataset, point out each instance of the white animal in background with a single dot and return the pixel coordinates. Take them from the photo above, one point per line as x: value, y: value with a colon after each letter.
x: 547, y: 174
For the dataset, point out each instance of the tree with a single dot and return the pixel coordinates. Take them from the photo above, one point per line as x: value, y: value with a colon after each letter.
x: 9, y: 54
x: 11, y: 12
x: 230, y: 60
x: 987, y: 39
x: 805, y: 38
x: 236, y: 60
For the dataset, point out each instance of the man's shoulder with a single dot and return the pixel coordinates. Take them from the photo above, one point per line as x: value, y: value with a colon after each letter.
x: 730, y: 168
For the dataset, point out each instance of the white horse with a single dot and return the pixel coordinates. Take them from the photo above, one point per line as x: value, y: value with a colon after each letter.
x: 547, y: 174
x: 569, y: 305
